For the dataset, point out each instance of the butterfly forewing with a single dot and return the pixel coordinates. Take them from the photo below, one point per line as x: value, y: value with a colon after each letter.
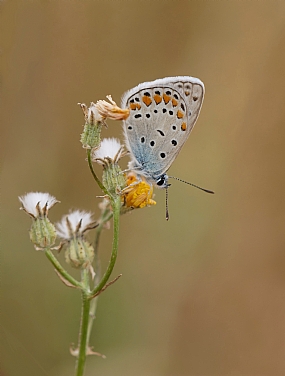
x: 162, y: 115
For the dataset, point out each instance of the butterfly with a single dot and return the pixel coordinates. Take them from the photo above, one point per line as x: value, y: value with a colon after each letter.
x: 163, y: 113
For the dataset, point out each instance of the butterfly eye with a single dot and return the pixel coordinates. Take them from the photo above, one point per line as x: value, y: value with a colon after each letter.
x: 160, y: 182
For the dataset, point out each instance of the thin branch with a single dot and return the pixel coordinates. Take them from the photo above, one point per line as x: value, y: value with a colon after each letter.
x: 107, y: 285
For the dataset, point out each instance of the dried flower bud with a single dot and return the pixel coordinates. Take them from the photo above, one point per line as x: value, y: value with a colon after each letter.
x: 111, y: 110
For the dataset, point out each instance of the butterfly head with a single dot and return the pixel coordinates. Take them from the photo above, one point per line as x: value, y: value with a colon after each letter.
x: 162, y: 181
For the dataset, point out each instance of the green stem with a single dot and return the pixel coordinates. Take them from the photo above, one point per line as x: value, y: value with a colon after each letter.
x: 80, y: 364
x: 116, y: 206
x: 92, y: 312
x: 106, y: 216
x: 61, y: 270
x: 88, y: 306
x: 94, y: 174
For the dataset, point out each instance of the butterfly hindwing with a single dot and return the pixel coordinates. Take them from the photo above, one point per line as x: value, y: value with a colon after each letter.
x: 162, y: 114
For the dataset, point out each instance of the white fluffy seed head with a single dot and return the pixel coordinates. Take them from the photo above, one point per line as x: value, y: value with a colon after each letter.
x: 36, y: 203
x: 109, y: 148
x: 70, y: 224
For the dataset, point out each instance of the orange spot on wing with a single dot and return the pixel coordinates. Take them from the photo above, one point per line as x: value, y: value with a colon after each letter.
x: 133, y: 106
x: 157, y: 98
x: 174, y: 102
x: 180, y: 114
x: 183, y: 126
x: 166, y: 98
x: 146, y: 100
x: 187, y: 93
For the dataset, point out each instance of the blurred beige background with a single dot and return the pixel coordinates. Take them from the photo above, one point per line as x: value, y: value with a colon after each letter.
x: 202, y: 294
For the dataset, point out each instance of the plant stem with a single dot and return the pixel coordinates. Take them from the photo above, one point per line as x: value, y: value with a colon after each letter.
x: 89, y: 306
x: 61, y: 270
x: 94, y: 174
x: 116, y: 206
x: 82, y: 343
x: 105, y: 217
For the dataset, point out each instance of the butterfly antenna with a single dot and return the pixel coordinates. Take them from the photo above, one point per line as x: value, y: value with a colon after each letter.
x: 193, y: 185
x: 166, y: 204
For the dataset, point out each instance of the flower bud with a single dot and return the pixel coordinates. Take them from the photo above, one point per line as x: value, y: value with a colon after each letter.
x: 90, y: 138
x: 37, y: 205
x: 79, y: 253
x: 42, y: 233
x: 113, y: 179
x: 72, y: 228
x: 108, y: 155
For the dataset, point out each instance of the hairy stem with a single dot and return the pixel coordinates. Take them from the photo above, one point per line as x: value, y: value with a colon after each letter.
x: 94, y: 174
x: 116, y: 206
x: 106, y: 216
x: 82, y: 342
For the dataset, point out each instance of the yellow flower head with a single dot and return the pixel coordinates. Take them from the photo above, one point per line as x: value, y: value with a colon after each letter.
x: 138, y: 193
